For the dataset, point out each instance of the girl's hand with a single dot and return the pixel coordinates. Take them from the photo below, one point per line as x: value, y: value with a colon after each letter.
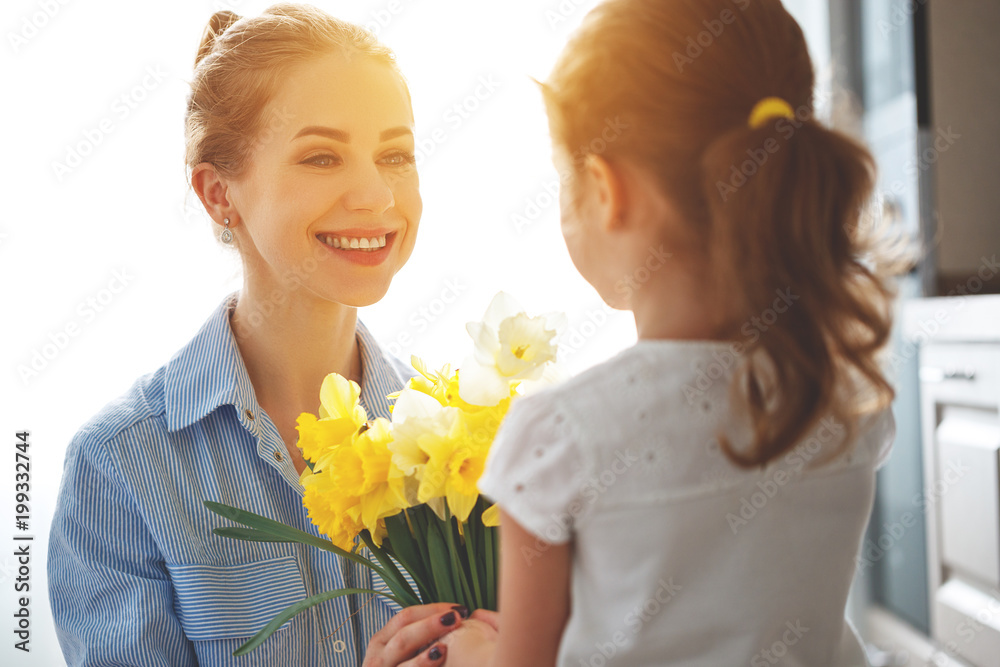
x: 401, y: 642
x: 474, y: 644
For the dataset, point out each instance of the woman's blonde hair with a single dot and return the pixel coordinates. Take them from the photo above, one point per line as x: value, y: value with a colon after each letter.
x: 240, y: 63
x: 771, y: 209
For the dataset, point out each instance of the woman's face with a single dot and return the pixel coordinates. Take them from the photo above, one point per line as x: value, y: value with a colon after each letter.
x: 330, y: 200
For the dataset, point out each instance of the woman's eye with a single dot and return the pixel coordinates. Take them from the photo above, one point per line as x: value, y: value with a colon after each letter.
x: 322, y: 160
x: 399, y: 159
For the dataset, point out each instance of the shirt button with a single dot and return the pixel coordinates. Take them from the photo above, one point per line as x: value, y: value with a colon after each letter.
x: 248, y: 414
x: 339, y: 646
x: 278, y: 456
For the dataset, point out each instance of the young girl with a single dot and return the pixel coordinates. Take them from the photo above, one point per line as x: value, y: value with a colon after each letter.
x: 300, y: 146
x: 698, y: 499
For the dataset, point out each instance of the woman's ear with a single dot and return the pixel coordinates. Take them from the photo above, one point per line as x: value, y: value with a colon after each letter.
x: 609, y: 192
x: 213, y: 191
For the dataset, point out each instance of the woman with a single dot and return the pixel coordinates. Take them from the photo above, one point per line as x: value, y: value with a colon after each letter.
x: 300, y: 146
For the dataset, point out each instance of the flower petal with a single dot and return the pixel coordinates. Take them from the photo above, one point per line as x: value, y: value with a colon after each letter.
x: 481, y: 385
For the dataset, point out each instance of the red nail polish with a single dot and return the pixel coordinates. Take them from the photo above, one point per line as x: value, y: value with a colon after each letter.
x: 448, y: 619
x: 435, y: 653
x: 462, y: 610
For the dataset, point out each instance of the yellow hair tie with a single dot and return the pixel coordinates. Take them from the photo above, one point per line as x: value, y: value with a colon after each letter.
x: 768, y: 108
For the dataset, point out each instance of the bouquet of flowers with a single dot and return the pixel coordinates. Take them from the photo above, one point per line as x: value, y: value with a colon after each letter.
x: 407, y: 488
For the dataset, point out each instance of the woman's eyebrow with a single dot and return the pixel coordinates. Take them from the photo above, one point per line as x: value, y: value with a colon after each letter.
x: 329, y: 132
x: 344, y: 137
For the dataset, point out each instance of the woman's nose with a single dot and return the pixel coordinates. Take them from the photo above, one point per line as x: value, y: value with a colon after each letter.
x: 370, y: 190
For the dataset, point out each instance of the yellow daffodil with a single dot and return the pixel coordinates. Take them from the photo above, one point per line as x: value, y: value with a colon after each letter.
x: 341, y: 415
x: 367, y: 485
x: 491, y: 516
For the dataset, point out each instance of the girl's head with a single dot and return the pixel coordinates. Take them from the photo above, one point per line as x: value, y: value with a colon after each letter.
x: 300, y: 132
x: 665, y: 89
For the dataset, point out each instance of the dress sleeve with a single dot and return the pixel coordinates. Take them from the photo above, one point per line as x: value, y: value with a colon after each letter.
x: 111, y: 595
x: 885, y: 436
x: 537, y: 471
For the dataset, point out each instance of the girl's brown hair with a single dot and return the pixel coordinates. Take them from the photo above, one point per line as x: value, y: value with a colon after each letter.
x: 772, y: 210
x: 240, y: 63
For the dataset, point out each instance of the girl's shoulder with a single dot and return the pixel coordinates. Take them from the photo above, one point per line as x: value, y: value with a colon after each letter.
x: 668, y: 373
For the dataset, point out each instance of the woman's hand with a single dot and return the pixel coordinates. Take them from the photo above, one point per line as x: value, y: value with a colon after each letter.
x: 410, y: 637
x: 474, y: 644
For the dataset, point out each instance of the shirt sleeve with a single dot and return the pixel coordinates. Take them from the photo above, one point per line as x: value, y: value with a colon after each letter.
x: 111, y: 595
x: 537, y: 472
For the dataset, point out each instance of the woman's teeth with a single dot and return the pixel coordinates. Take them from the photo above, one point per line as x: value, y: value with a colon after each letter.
x: 353, y: 243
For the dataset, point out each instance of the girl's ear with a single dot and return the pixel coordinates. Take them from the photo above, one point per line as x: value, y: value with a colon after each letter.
x: 609, y: 191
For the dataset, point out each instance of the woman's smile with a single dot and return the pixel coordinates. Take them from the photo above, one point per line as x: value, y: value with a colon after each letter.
x: 365, y: 248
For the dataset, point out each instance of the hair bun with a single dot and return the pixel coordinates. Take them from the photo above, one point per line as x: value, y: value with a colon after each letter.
x: 216, y: 26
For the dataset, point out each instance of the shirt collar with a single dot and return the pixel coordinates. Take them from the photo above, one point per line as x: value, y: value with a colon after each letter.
x: 209, y: 372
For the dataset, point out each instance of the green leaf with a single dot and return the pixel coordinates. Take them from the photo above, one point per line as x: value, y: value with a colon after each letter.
x: 440, y: 563
x: 418, y: 517
x: 470, y: 550
x: 397, y: 582
x: 286, y: 533
x: 459, y: 578
x: 490, y: 538
x: 298, y: 608
x: 247, y: 534
x: 403, y: 546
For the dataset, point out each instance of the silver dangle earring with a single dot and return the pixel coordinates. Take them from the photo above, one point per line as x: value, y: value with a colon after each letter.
x: 227, y: 236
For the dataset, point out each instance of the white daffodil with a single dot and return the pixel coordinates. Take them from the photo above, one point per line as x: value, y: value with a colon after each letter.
x: 510, y: 345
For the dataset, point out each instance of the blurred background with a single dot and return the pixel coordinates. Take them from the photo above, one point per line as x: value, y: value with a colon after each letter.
x: 109, y: 264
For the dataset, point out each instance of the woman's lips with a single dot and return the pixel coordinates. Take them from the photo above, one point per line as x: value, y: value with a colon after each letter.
x: 366, y: 249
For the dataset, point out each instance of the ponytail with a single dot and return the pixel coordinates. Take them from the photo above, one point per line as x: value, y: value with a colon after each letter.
x: 785, y: 203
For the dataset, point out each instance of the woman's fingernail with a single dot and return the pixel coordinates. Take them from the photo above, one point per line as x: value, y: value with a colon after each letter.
x: 436, y: 653
x: 448, y: 619
x: 462, y: 610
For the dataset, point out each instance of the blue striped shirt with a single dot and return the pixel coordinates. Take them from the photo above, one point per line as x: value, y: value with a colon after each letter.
x: 136, y: 576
